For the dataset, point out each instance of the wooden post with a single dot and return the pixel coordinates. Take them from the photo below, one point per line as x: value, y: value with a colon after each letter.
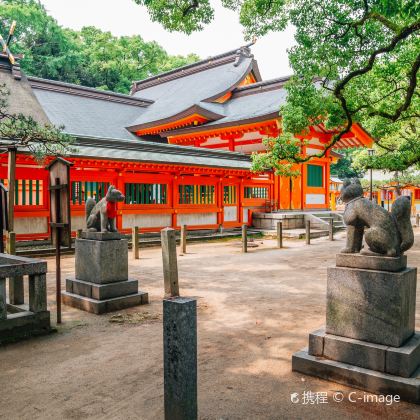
x: 244, y: 238
x: 11, y: 176
x: 308, y: 232
x: 331, y: 229
x: 417, y: 219
x: 170, y: 264
x: 11, y: 243
x: 279, y: 234
x: 58, y: 250
x: 135, y: 241
x: 79, y: 233
x: 183, y: 241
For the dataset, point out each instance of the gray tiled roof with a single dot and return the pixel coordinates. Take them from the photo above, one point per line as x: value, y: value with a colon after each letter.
x: 177, y: 95
x: 138, y: 151
x: 252, y: 106
x: 83, y: 116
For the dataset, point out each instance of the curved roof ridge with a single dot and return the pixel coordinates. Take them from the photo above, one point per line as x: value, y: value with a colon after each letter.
x: 201, y: 65
x: 72, y: 88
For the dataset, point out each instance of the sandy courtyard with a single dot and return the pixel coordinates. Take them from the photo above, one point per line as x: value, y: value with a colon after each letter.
x: 254, y: 311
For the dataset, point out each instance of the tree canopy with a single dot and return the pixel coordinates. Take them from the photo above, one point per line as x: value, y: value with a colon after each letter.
x: 89, y: 57
x: 355, y: 61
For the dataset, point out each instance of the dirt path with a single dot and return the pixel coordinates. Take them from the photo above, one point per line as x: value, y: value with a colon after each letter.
x: 255, y: 311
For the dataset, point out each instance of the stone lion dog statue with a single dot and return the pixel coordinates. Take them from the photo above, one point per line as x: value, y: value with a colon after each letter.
x: 386, y: 233
x: 101, y: 216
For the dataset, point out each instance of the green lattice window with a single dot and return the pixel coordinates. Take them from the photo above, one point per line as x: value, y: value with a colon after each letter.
x: 197, y: 194
x: 146, y: 193
x: 256, y: 192
x: 229, y: 194
x: 28, y: 192
x: 82, y: 190
x: 315, y: 176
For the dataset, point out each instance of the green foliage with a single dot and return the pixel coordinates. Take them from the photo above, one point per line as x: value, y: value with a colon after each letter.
x: 89, y: 57
x: 24, y: 132
x: 365, y: 55
x: 344, y: 167
x: 179, y: 15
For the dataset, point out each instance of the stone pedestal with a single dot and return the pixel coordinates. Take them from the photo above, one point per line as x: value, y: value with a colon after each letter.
x: 369, y: 340
x: 101, y: 282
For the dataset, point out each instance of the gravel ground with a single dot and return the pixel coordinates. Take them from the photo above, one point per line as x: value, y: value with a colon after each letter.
x: 254, y: 311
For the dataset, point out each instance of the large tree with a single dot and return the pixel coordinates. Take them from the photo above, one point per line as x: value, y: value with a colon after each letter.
x: 89, y: 57
x: 356, y: 61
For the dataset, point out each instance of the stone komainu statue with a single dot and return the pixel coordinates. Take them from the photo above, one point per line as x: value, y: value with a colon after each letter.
x: 101, y: 216
x: 386, y: 233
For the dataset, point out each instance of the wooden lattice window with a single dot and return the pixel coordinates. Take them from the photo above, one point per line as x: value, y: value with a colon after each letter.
x: 197, y: 194
x: 315, y: 176
x: 256, y: 192
x: 229, y: 194
x: 28, y: 192
x: 82, y: 190
x: 146, y: 193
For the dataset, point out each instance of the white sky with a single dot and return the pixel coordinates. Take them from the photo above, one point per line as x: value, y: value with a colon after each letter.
x: 124, y: 17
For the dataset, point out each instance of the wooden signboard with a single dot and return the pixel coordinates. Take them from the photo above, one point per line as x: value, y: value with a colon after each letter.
x: 59, y: 188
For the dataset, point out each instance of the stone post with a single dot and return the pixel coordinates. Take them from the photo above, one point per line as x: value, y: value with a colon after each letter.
x: 170, y: 265
x: 180, y: 358
x: 417, y: 219
x: 183, y: 240
x: 79, y: 233
x: 38, y: 292
x: 3, y: 304
x: 331, y: 229
x: 279, y: 234
x: 244, y: 238
x: 135, y: 241
x: 16, y: 290
x: 308, y: 232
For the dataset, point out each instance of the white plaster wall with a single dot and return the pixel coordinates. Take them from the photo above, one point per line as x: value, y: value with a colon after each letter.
x: 78, y: 222
x: 230, y: 213
x: 195, y: 219
x: 31, y: 225
x: 315, y: 198
x: 146, y: 220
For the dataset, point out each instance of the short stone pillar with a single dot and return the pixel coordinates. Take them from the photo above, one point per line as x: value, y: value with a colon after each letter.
x: 101, y: 282
x: 369, y: 341
x: 135, y: 242
x: 180, y: 358
x: 183, y: 239
x: 279, y: 234
x: 244, y: 238
x: 308, y: 232
x: 170, y: 263
x: 331, y: 229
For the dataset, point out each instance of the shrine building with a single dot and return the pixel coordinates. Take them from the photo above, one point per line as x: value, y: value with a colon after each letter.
x: 178, y: 147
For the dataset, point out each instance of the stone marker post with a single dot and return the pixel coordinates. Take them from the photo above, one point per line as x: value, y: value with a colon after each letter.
x: 331, y: 229
x: 135, y: 241
x: 170, y: 265
x: 16, y: 288
x: 308, y: 232
x: 3, y: 302
x: 183, y: 239
x: 279, y: 234
x: 244, y: 238
x: 417, y: 219
x: 180, y: 358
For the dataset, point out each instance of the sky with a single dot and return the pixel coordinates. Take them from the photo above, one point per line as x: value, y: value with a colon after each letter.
x: 124, y: 17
